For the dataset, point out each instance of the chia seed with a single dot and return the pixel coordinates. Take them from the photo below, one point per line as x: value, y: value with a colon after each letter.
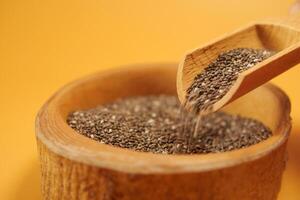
x: 158, y: 124
x: 217, y: 78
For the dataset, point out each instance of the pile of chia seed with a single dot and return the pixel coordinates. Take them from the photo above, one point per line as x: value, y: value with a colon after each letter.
x: 217, y: 78
x: 156, y: 123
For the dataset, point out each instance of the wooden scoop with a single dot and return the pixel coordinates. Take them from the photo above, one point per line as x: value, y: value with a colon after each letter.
x: 281, y: 36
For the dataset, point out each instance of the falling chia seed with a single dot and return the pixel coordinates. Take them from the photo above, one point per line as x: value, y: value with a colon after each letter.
x: 216, y: 79
x: 155, y: 124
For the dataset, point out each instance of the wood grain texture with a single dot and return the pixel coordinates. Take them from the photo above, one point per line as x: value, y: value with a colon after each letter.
x: 67, y: 179
x: 76, y: 167
x: 279, y: 35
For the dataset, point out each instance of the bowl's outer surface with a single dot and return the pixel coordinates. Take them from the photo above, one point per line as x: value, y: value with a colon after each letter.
x: 74, y: 166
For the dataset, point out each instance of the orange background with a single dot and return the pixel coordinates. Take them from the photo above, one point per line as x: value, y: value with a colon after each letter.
x: 45, y: 44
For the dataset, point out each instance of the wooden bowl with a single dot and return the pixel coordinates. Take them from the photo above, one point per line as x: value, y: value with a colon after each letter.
x: 76, y: 167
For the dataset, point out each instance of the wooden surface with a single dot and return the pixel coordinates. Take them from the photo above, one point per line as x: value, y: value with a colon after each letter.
x: 66, y: 179
x: 279, y: 35
x: 74, y: 166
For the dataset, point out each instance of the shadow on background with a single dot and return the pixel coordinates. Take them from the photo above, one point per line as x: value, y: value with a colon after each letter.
x: 29, y: 187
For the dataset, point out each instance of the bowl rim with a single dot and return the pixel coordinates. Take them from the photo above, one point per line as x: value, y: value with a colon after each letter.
x: 53, y: 132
